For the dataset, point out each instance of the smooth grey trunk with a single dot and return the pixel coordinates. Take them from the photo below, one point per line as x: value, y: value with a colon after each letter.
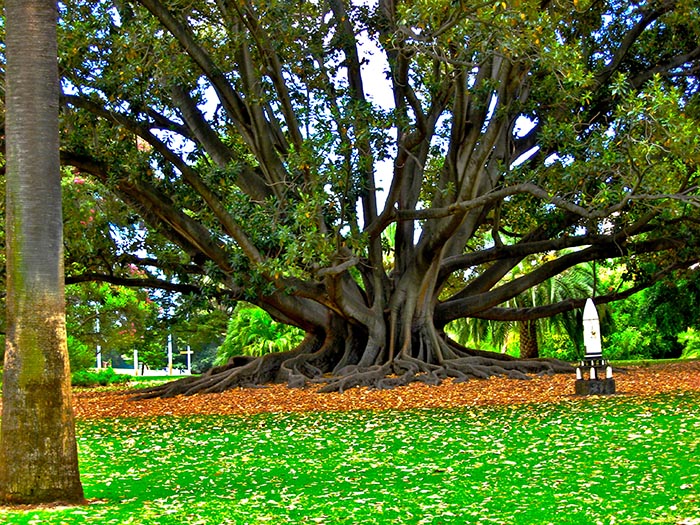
x: 38, y: 454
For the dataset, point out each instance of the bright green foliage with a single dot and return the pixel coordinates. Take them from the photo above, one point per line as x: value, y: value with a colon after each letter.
x: 559, y: 346
x: 648, y: 325
x: 690, y: 339
x: 81, y: 355
x: 252, y: 332
x: 615, y: 460
x: 262, y: 150
x: 104, y: 377
x: 152, y: 352
x: 630, y: 342
x: 128, y: 318
x: 303, y: 124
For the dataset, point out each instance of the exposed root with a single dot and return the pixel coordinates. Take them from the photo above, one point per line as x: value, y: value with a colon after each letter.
x: 368, y: 377
x: 238, y: 372
x: 405, y: 370
x: 314, y: 364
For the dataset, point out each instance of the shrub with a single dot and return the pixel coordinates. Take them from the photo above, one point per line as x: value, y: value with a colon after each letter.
x: 204, y: 359
x: 630, y: 343
x: 92, y: 378
x: 690, y: 339
x: 253, y: 332
x: 559, y: 346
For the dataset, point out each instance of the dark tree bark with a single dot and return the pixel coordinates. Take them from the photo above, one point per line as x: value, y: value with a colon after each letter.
x: 38, y: 454
x: 529, y: 347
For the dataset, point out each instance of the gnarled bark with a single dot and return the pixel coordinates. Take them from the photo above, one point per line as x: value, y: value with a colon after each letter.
x: 332, y: 360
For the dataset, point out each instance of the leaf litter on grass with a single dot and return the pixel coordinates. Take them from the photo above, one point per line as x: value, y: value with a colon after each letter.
x: 611, y: 460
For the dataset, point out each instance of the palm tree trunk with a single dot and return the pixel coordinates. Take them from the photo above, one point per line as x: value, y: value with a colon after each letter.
x: 529, y: 349
x: 38, y: 454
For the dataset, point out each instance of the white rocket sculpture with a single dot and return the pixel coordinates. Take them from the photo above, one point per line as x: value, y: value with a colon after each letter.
x: 591, y: 331
x: 593, y: 360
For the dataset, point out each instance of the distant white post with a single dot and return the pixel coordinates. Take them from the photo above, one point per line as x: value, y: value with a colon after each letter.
x: 170, y: 354
x: 136, y: 362
x: 99, y: 348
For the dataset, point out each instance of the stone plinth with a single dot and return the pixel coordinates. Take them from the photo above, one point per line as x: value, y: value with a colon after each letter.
x: 592, y: 387
x: 600, y: 380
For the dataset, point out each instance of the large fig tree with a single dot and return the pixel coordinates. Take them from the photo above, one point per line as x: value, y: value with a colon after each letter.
x: 271, y: 145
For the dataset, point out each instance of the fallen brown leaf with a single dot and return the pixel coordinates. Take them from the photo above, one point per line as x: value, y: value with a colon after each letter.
x: 636, y: 381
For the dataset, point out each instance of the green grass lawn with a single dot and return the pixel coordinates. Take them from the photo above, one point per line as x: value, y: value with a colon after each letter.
x: 600, y: 460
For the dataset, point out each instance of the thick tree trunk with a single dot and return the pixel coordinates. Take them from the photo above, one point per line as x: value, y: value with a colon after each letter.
x: 332, y: 360
x: 529, y: 348
x: 382, y: 339
x: 380, y: 336
x: 38, y: 454
x: 363, y: 348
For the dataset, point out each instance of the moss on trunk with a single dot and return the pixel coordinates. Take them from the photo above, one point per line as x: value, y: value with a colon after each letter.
x: 38, y: 453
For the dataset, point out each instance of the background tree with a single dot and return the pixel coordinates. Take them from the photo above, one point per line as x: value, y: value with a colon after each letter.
x: 38, y: 455
x: 200, y: 325
x: 251, y: 143
x: 252, y: 332
x: 690, y: 339
x: 575, y: 283
x: 671, y: 307
x: 648, y: 325
x: 126, y: 317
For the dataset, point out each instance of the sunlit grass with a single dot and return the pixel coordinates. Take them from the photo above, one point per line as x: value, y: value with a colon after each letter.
x: 606, y: 460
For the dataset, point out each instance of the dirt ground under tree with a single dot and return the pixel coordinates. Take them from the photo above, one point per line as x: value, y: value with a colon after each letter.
x: 635, y: 381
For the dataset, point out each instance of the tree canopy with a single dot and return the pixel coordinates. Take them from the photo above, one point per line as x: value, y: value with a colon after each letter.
x: 262, y: 148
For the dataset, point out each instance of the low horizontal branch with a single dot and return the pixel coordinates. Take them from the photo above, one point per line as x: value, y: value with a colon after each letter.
x: 134, y: 282
x: 549, y: 310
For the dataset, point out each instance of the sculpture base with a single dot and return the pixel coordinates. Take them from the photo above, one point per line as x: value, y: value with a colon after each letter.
x: 596, y: 363
x: 592, y: 387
